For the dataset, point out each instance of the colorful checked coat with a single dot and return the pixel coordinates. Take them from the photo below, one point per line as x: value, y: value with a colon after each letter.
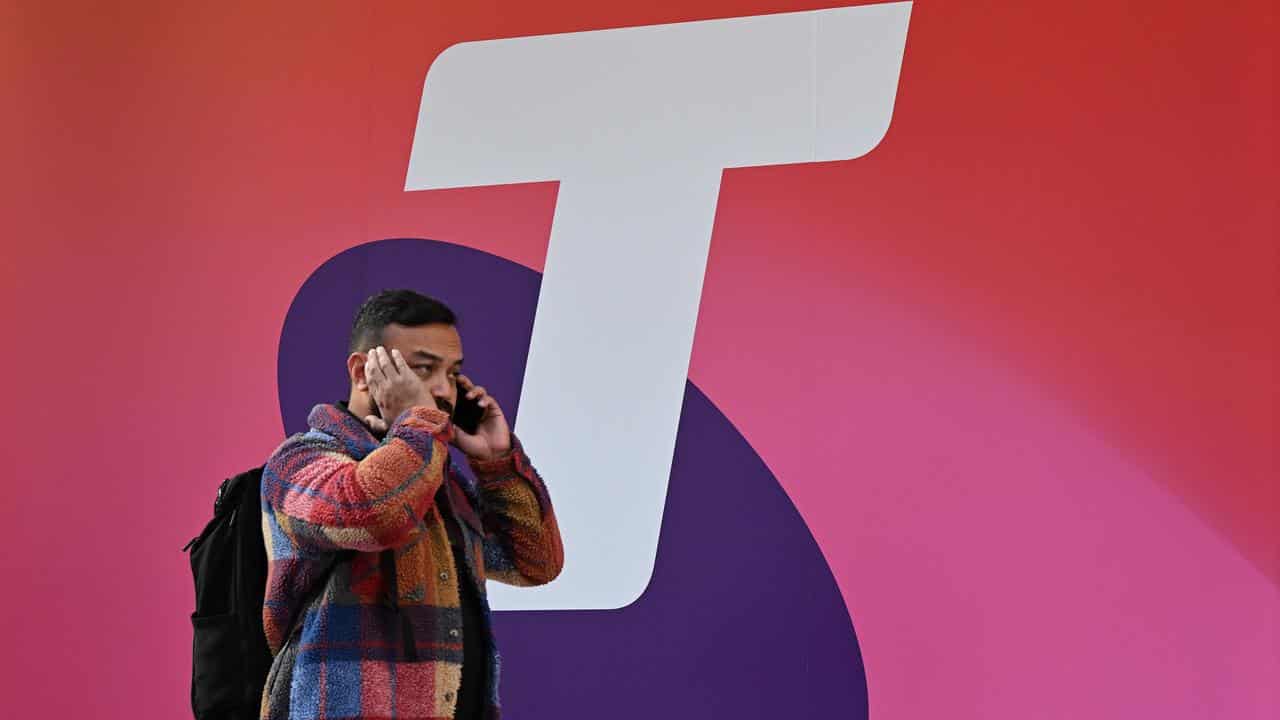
x: 335, y: 497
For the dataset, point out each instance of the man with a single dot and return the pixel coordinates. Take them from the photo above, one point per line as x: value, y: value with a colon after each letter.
x: 378, y: 546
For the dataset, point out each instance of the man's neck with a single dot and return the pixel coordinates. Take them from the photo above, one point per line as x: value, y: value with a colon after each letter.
x: 359, y: 406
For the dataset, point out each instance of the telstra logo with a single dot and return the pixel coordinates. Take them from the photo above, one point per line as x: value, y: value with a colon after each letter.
x: 637, y: 125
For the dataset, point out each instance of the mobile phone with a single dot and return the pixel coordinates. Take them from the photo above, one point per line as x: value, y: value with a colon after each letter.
x: 467, y: 413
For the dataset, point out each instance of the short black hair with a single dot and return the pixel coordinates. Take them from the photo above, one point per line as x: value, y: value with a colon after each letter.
x: 401, y: 306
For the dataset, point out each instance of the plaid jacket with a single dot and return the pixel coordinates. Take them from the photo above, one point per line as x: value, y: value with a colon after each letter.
x: 333, y: 498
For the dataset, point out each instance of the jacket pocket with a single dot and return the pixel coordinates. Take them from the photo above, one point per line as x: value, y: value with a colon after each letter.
x: 217, y: 670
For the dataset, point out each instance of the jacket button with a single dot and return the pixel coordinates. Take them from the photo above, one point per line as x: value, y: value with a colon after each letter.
x: 453, y: 632
x: 448, y: 696
x: 444, y: 576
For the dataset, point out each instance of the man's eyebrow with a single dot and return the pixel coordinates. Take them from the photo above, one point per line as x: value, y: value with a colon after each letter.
x: 433, y: 356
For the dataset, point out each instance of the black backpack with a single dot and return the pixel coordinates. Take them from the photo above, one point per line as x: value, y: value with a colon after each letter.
x: 230, y: 657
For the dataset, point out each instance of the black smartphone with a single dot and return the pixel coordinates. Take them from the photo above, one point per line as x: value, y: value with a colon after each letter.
x: 467, y: 413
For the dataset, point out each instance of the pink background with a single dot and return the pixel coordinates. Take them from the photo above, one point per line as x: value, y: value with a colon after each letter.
x: 1034, y: 331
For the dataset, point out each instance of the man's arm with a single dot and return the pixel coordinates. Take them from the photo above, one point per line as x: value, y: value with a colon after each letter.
x: 522, y: 540
x: 324, y: 500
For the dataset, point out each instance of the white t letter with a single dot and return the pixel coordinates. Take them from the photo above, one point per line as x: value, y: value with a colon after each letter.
x: 637, y: 124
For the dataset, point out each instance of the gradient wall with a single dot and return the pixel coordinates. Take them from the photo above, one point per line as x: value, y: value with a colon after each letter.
x: 1014, y: 370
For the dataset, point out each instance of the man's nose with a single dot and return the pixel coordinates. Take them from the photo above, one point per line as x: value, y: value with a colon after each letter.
x: 441, y: 389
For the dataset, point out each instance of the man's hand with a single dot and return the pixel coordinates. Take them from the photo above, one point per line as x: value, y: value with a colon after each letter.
x: 492, y: 437
x: 393, y: 385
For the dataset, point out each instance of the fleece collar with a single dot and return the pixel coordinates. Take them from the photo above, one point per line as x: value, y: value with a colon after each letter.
x: 352, y: 434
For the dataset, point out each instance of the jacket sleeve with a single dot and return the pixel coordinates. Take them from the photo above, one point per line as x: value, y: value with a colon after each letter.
x: 522, y: 540
x: 324, y: 500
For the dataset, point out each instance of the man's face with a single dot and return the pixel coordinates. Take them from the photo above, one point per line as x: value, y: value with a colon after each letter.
x: 434, y: 354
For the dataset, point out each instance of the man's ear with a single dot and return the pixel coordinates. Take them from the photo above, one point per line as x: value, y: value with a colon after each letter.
x: 355, y: 371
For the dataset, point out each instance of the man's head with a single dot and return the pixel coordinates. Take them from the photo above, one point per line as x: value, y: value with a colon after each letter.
x: 422, y: 329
